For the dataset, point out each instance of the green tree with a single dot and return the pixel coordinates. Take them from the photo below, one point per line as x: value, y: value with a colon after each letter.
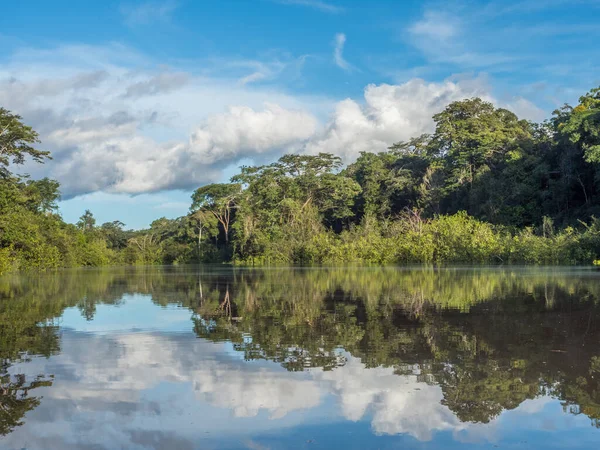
x: 16, y: 142
x: 15, y: 400
x: 581, y: 125
x: 87, y: 221
x: 116, y: 237
x: 43, y: 195
x: 306, y: 179
x: 394, y: 180
x: 473, y: 134
x: 219, y: 200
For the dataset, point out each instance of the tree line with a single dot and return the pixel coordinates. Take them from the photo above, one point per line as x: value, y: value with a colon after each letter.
x: 485, y: 186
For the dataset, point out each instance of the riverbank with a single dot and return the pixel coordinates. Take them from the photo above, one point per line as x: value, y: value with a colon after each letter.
x: 447, y: 239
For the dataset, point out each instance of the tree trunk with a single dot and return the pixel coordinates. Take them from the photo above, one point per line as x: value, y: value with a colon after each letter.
x: 199, y: 240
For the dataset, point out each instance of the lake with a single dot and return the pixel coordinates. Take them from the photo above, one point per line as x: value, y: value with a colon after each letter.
x: 345, y: 357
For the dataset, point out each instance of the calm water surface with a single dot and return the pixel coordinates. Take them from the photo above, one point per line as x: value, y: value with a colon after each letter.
x: 200, y: 357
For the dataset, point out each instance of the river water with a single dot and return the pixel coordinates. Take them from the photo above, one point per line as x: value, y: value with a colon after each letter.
x: 202, y: 357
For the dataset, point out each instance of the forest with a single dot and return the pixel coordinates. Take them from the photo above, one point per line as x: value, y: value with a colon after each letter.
x: 484, y: 187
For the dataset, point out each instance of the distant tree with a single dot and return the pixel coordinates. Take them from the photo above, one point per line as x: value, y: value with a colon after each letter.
x: 116, y: 237
x: 86, y: 221
x: 393, y: 180
x: 43, y: 195
x: 575, y: 156
x: 582, y: 125
x: 473, y: 134
x: 147, y: 247
x: 304, y: 179
x: 218, y: 200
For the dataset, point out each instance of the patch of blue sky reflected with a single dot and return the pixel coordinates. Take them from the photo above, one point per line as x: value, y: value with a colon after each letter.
x: 134, y: 312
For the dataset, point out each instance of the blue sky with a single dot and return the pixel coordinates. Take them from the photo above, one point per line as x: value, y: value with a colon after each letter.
x: 141, y: 102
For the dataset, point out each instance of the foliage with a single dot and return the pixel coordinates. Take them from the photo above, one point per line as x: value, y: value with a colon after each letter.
x: 218, y: 200
x: 16, y: 140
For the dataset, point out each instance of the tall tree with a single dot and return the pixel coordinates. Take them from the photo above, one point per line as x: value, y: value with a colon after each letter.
x: 116, y: 237
x: 219, y: 200
x: 473, y: 134
x: 392, y: 180
x: 582, y: 125
x: 576, y: 154
x: 86, y: 221
x: 304, y: 179
x: 43, y: 195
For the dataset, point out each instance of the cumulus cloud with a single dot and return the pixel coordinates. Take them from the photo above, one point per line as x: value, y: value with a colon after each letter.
x: 115, y: 130
x: 243, y: 130
x: 120, y: 160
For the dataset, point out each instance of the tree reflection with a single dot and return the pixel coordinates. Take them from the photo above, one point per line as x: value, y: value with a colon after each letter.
x: 15, y: 400
x: 489, y: 340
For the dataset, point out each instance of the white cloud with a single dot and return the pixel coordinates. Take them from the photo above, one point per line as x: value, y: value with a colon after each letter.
x: 338, y: 52
x: 115, y: 130
x: 315, y: 4
x: 116, y: 158
x: 435, y: 25
x: 440, y: 36
x: 148, y: 12
x: 243, y: 130
x: 159, y: 84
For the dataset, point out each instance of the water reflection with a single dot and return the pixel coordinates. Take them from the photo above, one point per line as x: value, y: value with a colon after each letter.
x: 277, y: 358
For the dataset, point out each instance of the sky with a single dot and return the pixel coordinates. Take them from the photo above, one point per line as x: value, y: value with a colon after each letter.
x: 140, y: 103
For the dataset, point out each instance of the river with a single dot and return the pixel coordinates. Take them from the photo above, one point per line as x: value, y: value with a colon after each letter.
x: 333, y: 357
